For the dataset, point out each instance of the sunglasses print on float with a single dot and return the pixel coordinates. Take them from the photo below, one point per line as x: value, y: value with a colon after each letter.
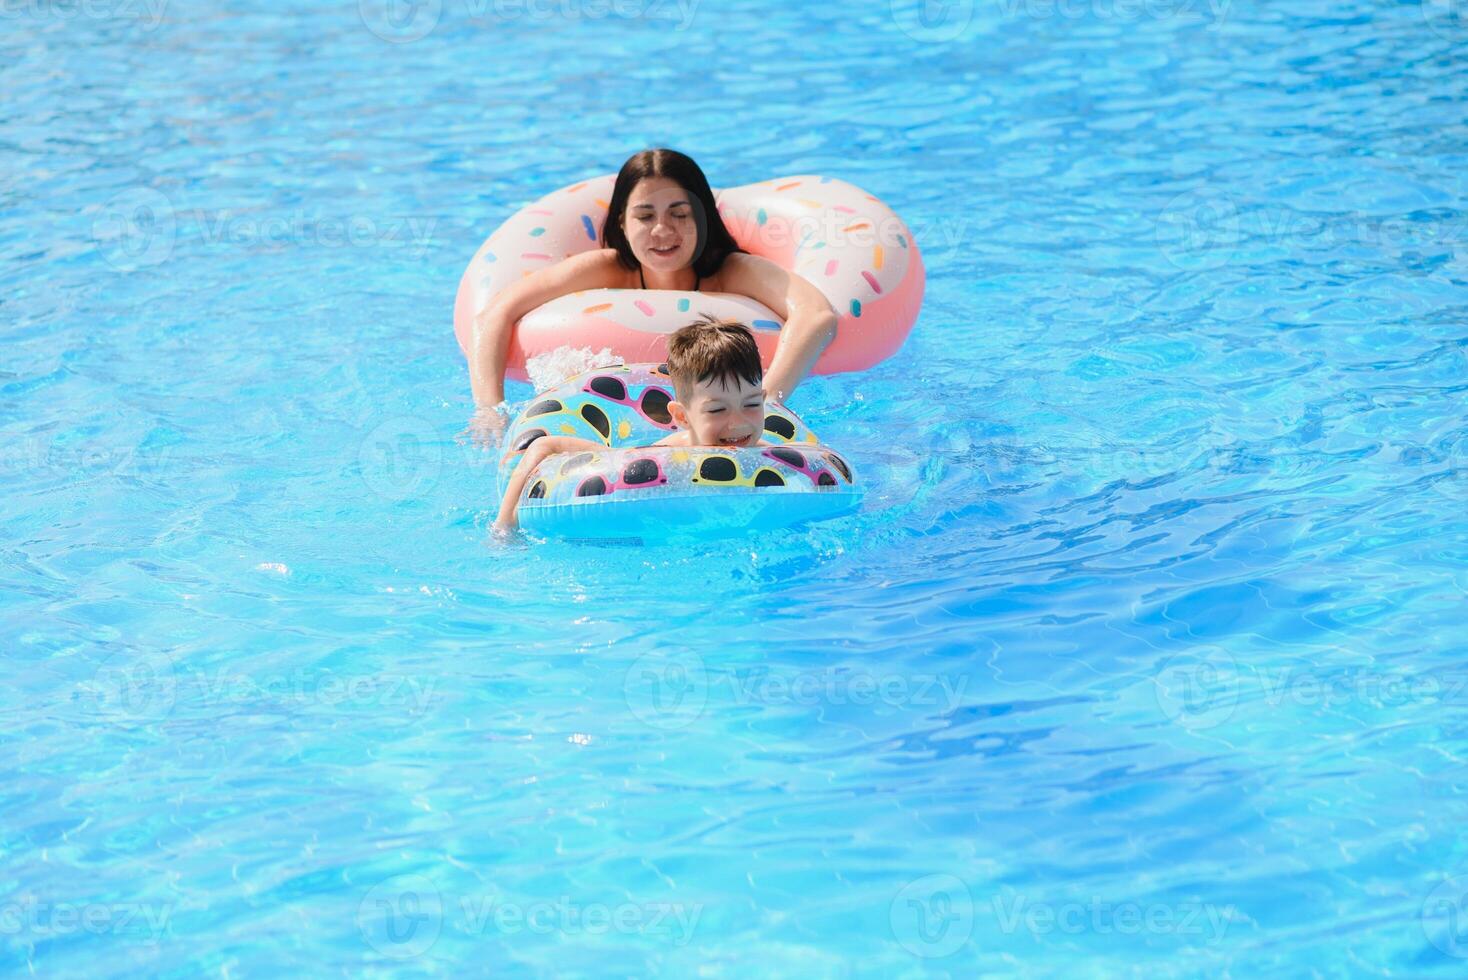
x: 544, y: 411
x: 653, y: 405
x: 565, y: 466
x: 724, y: 471
x: 639, y: 474
x: 796, y: 460
x: 779, y: 426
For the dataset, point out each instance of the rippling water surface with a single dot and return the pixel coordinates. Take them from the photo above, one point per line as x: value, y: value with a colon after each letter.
x: 1138, y: 660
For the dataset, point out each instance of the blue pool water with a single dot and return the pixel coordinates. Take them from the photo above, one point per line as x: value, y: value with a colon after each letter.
x: 1139, y: 659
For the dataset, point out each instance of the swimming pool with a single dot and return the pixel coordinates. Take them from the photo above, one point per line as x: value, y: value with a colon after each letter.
x: 1138, y: 659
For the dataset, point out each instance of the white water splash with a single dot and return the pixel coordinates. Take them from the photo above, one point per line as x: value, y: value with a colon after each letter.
x: 553, y: 367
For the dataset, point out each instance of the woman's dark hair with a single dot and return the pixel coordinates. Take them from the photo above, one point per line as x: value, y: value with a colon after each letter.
x: 714, y: 241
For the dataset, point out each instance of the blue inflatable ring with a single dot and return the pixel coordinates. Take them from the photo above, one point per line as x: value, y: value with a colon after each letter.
x: 632, y: 489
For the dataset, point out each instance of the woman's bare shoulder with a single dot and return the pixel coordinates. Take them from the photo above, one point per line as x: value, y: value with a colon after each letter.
x: 751, y: 275
x: 735, y: 268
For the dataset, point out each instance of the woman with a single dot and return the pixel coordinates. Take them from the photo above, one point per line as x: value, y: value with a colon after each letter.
x: 662, y: 231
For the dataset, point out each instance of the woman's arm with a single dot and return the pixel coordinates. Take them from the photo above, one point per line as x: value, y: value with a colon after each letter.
x: 810, y: 323
x: 597, y: 269
x: 534, y: 456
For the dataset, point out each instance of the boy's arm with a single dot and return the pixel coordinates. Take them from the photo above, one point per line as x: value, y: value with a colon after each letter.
x: 534, y: 456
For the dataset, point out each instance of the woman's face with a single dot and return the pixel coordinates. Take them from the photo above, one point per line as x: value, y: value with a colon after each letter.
x: 659, y: 224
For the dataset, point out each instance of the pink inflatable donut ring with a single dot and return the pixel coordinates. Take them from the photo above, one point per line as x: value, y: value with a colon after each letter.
x: 843, y: 240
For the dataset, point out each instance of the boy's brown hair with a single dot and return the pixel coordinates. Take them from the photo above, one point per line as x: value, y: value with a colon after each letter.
x: 710, y: 348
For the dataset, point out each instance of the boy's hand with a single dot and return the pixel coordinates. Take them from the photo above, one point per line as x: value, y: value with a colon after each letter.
x: 507, y: 520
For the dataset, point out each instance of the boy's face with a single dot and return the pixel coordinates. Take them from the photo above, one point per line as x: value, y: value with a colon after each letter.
x: 722, y: 412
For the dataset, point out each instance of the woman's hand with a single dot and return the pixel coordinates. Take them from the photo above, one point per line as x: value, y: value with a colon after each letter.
x: 494, y: 326
x: 487, y: 425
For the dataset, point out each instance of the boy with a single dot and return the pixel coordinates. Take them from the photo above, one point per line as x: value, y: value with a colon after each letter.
x: 720, y: 401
